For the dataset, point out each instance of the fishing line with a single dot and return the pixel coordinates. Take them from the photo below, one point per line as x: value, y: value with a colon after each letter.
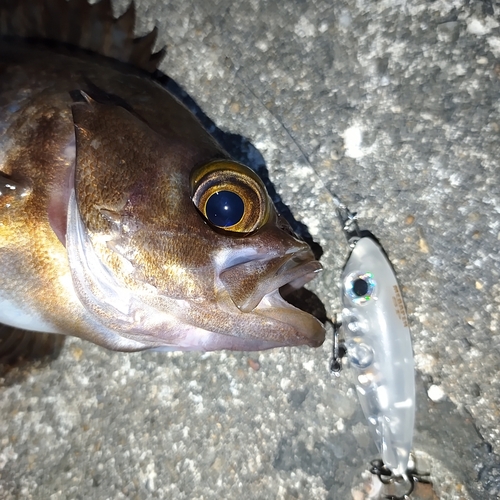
x: 347, y: 219
x: 377, y: 339
x: 345, y: 215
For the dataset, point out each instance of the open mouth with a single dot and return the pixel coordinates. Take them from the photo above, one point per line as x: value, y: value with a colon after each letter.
x: 250, y: 281
x: 304, y: 328
x: 258, y: 286
x: 297, y: 271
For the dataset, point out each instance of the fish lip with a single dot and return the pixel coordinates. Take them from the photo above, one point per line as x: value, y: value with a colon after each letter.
x: 303, y: 327
x: 298, y: 270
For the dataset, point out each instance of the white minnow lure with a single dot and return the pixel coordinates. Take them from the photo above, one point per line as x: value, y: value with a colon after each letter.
x: 379, y: 349
x: 377, y: 343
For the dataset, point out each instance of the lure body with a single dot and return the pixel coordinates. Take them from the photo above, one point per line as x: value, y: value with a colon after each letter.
x: 378, y: 344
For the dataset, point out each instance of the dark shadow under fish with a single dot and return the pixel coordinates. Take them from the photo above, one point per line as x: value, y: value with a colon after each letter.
x: 122, y: 221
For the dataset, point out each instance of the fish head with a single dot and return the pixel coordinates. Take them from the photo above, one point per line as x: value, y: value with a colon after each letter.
x: 174, y: 245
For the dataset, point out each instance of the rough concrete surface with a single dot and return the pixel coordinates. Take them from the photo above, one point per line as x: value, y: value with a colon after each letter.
x: 396, y: 106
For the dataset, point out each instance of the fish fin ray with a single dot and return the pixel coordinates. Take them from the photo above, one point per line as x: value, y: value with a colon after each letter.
x: 87, y: 26
x: 18, y: 346
x: 142, y: 49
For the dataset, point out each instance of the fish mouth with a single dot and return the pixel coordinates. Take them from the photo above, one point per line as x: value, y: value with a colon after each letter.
x: 297, y: 271
x: 259, y: 287
x: 301, y: 326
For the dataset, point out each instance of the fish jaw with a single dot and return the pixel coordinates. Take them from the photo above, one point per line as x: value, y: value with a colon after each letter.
x: 255, y: 287
x: 304, y: 328
x: 248, y: 282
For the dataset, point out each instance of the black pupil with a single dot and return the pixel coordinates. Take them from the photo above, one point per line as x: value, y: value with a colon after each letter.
x: 225, y: 209
x: 360, y: 287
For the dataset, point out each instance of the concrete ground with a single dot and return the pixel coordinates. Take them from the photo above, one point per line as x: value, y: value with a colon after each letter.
x: 395, y: 105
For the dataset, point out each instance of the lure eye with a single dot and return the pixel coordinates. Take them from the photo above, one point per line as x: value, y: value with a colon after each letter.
x: 230, y: 196
x: 360, y: 287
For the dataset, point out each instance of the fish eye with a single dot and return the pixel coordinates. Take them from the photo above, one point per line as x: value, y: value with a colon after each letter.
x: 224, y: 208
x: 230, y: 196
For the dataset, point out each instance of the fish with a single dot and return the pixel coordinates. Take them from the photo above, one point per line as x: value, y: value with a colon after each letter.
x: 122, y: 221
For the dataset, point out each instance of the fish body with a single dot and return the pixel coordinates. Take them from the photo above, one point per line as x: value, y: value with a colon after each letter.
x: 110, y: 201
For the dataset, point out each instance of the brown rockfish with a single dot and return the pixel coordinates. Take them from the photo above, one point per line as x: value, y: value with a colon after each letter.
x: 122, y: 221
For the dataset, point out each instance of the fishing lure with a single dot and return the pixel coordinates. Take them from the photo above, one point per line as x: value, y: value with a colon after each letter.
x: 377, y: 343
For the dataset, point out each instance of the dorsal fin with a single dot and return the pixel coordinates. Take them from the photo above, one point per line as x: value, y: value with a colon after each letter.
x: 76, y: 22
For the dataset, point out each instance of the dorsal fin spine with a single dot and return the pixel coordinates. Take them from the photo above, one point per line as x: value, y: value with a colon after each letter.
x: 76, y: 22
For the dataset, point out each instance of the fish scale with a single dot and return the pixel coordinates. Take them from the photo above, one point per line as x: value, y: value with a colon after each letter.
x: 109, y: 222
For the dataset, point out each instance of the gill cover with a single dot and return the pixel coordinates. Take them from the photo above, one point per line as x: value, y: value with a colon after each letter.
x: 99, y: 224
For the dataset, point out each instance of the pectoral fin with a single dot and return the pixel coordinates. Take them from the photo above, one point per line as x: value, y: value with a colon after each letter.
x: 12, y: 192
x: 25, y: 346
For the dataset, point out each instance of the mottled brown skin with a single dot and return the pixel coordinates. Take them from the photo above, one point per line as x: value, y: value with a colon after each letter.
x: 32, y: 259
x: 133, y: 165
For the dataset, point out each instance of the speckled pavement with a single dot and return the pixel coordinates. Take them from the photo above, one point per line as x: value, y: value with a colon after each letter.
x: 396, y: 106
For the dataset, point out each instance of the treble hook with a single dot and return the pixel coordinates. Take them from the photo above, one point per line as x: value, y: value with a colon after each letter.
x: 385, y: 476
